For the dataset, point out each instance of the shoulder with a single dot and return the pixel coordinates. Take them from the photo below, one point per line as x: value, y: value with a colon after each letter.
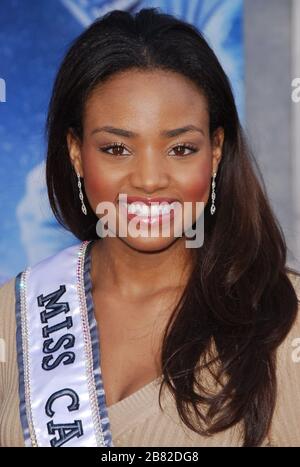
x: 7, y: 288
x: 10, y: 425
x: 7, y: 322
x: 289, y: 351
x: 7, y: 307
x: 285, y: 429
x: 294, y: 277
x: 289, y: 342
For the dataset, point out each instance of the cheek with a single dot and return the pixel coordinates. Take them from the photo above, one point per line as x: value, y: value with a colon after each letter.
x: 195, y: 182
x: 195, y: 189
x: 99, y: 183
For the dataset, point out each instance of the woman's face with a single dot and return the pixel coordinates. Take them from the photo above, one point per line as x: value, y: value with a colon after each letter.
x: 142, y: 106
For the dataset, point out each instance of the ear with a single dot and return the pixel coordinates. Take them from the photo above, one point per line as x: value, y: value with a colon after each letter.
x: 217, y: 147
x: 74, y: 148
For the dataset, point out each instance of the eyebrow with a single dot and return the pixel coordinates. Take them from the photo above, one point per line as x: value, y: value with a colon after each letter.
x: 132, y: 134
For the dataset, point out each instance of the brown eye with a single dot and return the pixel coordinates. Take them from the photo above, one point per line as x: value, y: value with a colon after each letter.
x: 181, y: 148
x: 116, y: 148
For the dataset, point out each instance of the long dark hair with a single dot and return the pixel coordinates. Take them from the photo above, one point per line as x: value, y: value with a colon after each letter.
x: 239, y: 299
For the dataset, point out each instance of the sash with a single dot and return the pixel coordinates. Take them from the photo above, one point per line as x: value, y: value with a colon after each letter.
x: 62, y: 399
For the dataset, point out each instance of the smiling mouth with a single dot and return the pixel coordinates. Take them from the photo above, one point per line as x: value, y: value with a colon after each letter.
x: 148, y: 214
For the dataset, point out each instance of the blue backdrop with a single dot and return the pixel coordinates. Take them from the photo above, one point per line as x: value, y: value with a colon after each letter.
x: 34, y: 36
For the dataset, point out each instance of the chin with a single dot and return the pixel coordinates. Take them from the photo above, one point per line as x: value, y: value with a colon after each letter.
x: 148, y: 244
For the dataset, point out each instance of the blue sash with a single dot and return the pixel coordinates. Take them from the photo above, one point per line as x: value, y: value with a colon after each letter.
x: 62, y: 399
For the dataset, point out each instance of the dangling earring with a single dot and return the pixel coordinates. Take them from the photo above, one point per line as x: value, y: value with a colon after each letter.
x: 213, y: 195
x: 83, y: 208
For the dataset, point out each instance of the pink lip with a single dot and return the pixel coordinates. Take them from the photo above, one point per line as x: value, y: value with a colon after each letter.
x: 148, y: 201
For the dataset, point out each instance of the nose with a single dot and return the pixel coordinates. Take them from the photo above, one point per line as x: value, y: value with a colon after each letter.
x: 150, y: 172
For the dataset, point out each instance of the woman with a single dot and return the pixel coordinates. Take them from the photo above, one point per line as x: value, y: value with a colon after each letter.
x: 150, y: 340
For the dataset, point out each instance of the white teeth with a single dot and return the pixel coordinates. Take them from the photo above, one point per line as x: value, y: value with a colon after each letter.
x: 144, y: 210
x: 166, y: 209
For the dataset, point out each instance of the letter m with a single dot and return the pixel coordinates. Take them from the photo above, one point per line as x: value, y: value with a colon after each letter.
x: 53, y: 307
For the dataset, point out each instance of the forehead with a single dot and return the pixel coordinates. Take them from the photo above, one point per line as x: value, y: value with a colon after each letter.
x: 146, y: 96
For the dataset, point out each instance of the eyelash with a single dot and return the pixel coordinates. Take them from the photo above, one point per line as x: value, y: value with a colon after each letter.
x: 118, y: 145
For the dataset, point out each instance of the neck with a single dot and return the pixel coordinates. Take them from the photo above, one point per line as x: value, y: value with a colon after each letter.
x: 118, y: 268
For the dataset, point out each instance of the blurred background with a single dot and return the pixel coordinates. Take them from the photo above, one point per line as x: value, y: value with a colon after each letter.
x: 257, y: 42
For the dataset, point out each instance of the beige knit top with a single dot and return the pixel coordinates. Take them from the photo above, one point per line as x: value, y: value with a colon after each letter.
x: 138, y: 420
